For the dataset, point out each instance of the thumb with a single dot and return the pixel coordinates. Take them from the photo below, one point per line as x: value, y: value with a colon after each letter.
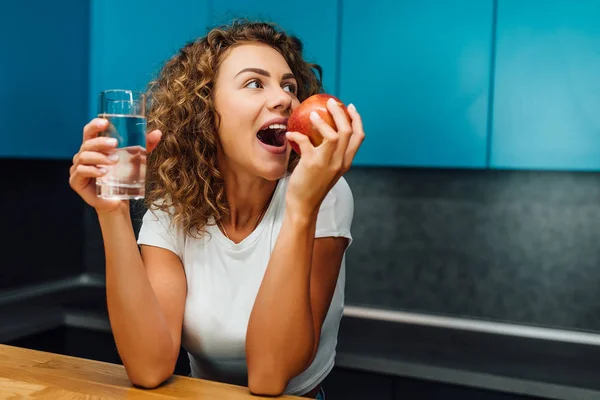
x: 301, y: 140
x: 152, y: 140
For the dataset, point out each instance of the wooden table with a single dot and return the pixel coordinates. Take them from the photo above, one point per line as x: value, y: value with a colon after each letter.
x: 36, y: 374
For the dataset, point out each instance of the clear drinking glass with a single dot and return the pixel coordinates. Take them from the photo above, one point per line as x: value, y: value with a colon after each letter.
x: 125, y: 111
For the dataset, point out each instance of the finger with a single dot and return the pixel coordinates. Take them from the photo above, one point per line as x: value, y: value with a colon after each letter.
x: 358, y: 136
x: 94, y: 127
x: 357, y: 124
x: 95, y: 158
x: 330, y: 136
x: 82, y: 176
x: 101, y: 144
x: 83, y: 172
x: 137, y: 158
x: 306, y: 147
x: 152, y: 140
x: 75, y: 167
x: 342, y: 122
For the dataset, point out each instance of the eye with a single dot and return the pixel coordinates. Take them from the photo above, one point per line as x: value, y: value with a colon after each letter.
x: 254, y: 84
x: 290, y: 87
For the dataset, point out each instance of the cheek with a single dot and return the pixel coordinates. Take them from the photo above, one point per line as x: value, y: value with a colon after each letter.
x: 228, y: 118
x: 295, y: 103
x: 236, y: 128
x: 241, y: 117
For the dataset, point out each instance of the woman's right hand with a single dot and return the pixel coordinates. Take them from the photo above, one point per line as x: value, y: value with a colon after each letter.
x: 93, y: 154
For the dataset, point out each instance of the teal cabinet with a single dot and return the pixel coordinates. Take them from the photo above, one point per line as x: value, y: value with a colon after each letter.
x: 131, y: 40
x: 547, y: 85
x: 419, y: 73
x: 315, y: 23
x: 43, y: 78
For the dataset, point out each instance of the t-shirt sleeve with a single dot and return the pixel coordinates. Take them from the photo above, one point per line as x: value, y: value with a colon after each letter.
x: 336, y: 212
x: 159, y: 230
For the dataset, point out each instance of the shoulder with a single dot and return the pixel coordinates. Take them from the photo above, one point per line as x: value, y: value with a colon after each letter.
x: 159, y: 212
x: 336, y: 211
x: 339, y: 197
x: 159, y: 229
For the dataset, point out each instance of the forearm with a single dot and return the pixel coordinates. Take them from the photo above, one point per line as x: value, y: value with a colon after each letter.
x: 280, y: 337
x: 138, y: 324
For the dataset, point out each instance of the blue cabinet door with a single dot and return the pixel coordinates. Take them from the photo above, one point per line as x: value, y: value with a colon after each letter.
x: 131, y: 40
x: 43, y: 78
x: 315, y: 23
x: 547, y: 85
x: 418, y: 71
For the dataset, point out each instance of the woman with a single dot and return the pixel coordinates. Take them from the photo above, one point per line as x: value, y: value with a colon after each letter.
x: 242, y: 248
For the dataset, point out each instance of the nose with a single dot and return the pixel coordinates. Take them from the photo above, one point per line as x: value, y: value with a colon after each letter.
x: 279, y: 100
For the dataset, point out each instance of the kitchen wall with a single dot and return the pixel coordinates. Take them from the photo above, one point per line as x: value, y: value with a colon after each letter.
x: 43, y: 106
x: 517, y: 246
x: 514, y: 246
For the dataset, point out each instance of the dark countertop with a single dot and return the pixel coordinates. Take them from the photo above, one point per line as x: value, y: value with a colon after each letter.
x: 545, y: 368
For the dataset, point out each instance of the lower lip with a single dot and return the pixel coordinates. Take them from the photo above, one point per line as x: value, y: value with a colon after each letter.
x: 274, y: 149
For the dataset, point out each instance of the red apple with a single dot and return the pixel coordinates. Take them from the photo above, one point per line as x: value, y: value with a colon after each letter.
x: 300, y: 121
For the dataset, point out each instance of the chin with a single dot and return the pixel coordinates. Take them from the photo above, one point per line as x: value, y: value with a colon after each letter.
x: 274, y: 175
x: 273, y: 171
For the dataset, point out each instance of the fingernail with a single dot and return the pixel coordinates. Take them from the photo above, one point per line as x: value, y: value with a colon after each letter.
x: 113, y: 157
x: 332, y: 102
x: 101, y: 122
x: 314, y: 115
x: 352, y: 107
x: 102, y: 170
x: 111, y: 141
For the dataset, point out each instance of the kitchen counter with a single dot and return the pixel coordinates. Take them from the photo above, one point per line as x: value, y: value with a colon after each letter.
x: 543, y: 368
x: 413, y: 349
x: 28, y: 373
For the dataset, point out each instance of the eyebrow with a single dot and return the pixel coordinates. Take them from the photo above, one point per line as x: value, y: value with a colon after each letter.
x: 265, y: 73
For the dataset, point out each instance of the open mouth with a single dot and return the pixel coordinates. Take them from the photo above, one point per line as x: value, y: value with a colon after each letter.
x: 273, y: 135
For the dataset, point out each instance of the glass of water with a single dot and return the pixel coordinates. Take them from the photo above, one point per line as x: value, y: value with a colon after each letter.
x: 125, y: 111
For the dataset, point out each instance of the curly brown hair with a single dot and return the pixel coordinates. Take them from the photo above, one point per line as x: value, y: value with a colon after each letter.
x: 183, y: 177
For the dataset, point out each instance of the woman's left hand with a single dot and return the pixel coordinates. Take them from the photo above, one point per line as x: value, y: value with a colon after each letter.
x: 320, y: 167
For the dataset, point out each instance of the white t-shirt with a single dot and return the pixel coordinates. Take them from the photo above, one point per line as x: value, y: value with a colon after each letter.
x: 223, y: 279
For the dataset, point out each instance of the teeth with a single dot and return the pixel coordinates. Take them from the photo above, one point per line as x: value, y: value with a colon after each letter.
x: 277, y: 126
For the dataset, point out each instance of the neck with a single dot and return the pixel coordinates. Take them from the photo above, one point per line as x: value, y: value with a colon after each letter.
x: 247, y: 201
x: 248, y: 198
